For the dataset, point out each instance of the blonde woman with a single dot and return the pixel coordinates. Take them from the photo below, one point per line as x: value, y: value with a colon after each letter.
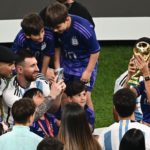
x: 74, y: 131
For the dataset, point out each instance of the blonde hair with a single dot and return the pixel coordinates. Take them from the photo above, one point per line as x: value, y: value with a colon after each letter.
x: 75, y: 131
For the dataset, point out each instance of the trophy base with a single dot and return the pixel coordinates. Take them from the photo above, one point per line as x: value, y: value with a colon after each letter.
x: 134, y: 81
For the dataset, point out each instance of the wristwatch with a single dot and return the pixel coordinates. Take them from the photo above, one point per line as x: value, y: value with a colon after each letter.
x: 147, y: 78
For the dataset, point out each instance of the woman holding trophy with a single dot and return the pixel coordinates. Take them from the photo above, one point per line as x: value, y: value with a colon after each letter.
x: 139, y: 65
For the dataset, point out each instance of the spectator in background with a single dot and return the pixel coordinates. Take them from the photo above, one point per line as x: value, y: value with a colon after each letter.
x: 74, y: 8
x: 79, y: 55
x: 133, y: 140
x: 20, y: 137
x: 124, y: 102
x: 39, y: 39
x: 50, y: 144
x: 46, y: 125
x: 75, y: 131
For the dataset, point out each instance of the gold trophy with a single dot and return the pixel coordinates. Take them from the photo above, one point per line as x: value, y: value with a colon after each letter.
x: 142, y: 48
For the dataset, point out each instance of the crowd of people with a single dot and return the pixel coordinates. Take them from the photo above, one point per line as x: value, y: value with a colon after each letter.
x: 41, y: 109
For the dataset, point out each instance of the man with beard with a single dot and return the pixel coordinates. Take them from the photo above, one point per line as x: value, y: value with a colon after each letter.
x: 7, y: 58
x: 27, y: 78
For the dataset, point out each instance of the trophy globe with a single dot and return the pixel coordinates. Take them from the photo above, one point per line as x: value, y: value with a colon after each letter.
x: 142, y: 48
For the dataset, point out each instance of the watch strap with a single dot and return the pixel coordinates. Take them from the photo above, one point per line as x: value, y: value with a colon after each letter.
x: 147, y: 78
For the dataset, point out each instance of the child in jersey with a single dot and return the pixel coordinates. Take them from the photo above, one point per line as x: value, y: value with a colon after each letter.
x: 76, y: 92
x: 45, y: 126
x: 36, y: 38
x: 77, y: 49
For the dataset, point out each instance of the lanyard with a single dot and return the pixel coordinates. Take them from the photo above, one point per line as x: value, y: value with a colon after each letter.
x: 49, y: 127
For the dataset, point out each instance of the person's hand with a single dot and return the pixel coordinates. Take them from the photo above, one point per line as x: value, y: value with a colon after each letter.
x: 50, y: 75
x: 86, y: 75
x: 142, y: 65
x: 57, y: 88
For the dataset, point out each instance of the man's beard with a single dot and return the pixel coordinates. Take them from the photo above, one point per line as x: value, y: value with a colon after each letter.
x: 6, y: 75
x: 30, y: 78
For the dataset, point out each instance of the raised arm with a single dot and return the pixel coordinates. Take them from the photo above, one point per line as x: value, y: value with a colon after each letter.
x: 57, y: 58
x: 53, y: 100
x: 46, y: 60
x: 131, y: 71
x: 143, y: 66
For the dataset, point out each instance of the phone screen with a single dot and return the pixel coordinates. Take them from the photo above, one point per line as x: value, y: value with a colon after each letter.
x: 59, y: 73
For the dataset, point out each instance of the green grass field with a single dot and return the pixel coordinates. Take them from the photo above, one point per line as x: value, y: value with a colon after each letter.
x: 113, y: 61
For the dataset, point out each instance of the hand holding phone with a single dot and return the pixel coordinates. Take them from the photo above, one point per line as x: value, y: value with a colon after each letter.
x: 59, y: 72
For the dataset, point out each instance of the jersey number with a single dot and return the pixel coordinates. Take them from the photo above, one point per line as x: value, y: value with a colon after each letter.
x: 70, y: 55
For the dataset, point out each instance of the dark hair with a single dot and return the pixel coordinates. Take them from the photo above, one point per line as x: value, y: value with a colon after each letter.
x: 56, y: 13
x: 74, y: 131
x: 124, y: 101
x: 133, y: 140
x: 22, y: 110
x: 1, y: 129
x: 32, y: 92
x: 144, y: 39
x: 32, y: 24
x: 62, y: 1
x: 74, y: 87
x: 50, y: 144
x: 23, y: 54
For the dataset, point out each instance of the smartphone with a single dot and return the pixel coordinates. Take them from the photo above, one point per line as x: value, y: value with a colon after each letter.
x: 59, y: 72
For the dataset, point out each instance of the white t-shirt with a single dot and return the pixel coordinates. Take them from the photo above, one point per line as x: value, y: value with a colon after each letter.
x: 110, y: 138
x: 14, y: 92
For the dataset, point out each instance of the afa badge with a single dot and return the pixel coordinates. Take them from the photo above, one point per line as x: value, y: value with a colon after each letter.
x: 43, y: 46
x: 74, y: 41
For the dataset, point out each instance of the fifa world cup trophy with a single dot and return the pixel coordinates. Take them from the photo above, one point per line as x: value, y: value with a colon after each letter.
x: 142, y: 48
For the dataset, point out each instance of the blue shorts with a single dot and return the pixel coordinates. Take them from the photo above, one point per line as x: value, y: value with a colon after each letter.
x: 90, y: 84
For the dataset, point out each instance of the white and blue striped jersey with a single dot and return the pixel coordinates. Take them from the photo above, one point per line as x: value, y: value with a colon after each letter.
x: 3, y: 83
x: 119, y: 85
x: 14, y: 92
x: 110, y: 138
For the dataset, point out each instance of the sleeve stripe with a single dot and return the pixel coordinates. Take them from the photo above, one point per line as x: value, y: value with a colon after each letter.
x: 82, y: 30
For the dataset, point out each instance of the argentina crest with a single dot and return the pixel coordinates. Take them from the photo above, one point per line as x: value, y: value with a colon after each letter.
x: 74, y: 41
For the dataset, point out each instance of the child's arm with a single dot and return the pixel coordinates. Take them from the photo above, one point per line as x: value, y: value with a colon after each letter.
x: 46, y: 60
x: 57, y: 58
x: 88, y: 71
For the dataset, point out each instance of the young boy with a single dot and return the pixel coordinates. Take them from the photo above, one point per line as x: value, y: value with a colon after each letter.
x: 124, y: 101
x: 76, y: 92
x: 20, y: 137
x: 36, y: 38
x: 45, y: 126
x: 74, y: 8
x: 50, y: 144
x: 79, y: 46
